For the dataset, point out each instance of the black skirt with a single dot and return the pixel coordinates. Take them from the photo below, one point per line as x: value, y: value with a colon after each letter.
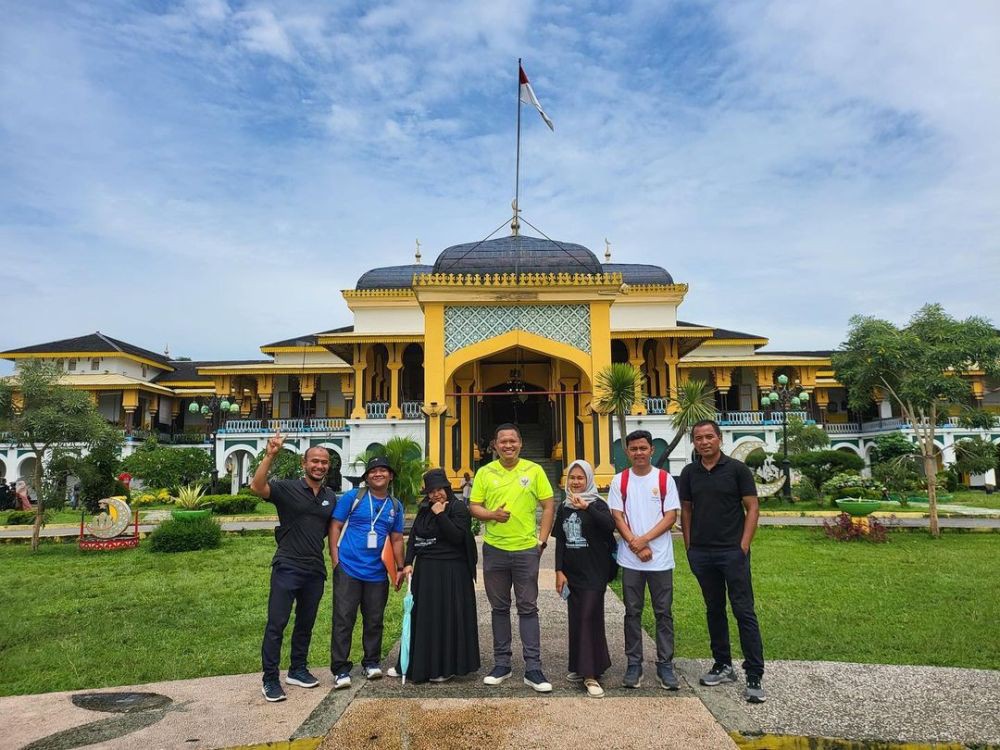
x: 588, y: 643
x: 444, y: 635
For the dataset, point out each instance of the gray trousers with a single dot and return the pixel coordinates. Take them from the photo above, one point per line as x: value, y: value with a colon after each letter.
x: 661, y: 593
x: 350, y: 594
x: 518, y: 570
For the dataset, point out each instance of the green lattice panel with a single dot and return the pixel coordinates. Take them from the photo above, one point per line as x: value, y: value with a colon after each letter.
x: 567, y: 324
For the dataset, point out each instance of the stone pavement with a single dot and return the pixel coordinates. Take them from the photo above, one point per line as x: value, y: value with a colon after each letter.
x: 811, y: 704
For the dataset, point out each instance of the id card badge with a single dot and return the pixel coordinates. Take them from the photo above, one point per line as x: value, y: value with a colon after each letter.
x: 372, y: 540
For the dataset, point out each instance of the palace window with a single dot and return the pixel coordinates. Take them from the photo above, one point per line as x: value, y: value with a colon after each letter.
x: 95, y: 364
x: 71, y: 365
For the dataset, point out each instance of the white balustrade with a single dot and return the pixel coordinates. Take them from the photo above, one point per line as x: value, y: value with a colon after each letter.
x: 286, y: 425
x: 243, y: 425
x: 656, y: 405
x: 842, y: 428
x: 377, y: 409
x: 327, y: 424
x: 412, y: 409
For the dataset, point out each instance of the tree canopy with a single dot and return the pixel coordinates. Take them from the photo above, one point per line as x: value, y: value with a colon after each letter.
x: 40, y: 412
x: 920, y: 366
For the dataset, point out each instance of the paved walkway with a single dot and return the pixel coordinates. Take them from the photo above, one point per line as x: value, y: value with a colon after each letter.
x: 828, y: 703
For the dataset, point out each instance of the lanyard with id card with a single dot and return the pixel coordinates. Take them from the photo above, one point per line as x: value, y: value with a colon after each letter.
x: 372, y: 536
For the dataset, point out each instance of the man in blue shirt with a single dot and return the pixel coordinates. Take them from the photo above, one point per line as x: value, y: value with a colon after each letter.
x: 362, y: 520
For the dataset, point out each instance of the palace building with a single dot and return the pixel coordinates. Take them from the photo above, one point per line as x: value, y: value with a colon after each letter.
x: 510, y: 329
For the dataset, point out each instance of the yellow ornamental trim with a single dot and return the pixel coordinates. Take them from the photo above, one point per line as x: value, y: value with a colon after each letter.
x: 506, y: 280
x: 382, y: 293
x: 654, y: 288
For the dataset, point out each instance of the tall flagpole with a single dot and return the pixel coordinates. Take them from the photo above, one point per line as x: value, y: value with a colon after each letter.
x: 515, y: 224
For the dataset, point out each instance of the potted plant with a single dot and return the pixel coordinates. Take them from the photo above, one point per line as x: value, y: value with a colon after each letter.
x: 190, y: 503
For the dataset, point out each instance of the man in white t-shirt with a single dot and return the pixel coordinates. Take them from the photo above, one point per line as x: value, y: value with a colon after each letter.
x: 644, y: 510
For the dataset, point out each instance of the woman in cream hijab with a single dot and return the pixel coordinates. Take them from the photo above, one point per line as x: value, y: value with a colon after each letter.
x: 584, y: 533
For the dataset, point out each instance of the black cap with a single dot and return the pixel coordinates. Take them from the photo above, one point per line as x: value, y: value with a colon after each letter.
x: 379, y: 461
x: 435, y: 479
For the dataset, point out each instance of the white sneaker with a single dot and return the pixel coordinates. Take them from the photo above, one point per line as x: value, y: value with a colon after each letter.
x: 343, y: 680
x: 373, y: 673
x: 594, y: 689
x: 574, y: 677
x: 392, y: 672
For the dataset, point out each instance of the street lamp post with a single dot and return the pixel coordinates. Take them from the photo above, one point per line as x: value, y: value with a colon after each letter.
x: 214, y: 411
x: 782, y: 397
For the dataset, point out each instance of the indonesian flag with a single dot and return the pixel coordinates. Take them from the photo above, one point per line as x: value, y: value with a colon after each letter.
x: 528, y: 97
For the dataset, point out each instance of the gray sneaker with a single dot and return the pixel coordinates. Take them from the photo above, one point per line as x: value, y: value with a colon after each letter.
x: 633, y: 676
x: 666, y: 677
x: 718, y: 674
x: 754, y: 692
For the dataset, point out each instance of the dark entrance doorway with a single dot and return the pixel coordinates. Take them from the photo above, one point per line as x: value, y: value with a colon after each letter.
x: 531, y: 412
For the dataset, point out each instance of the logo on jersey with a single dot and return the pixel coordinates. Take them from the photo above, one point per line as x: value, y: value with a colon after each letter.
x: 525, y: 481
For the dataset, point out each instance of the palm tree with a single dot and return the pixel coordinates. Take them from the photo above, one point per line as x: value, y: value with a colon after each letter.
x: 619, y: 386
x: 695, y: 402
x: 408, y: 464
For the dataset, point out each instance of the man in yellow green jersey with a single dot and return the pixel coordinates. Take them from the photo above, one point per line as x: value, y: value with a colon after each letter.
x: 505, y: 495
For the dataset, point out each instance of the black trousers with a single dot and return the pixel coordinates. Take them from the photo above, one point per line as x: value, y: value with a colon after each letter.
x: 719, y: 571
x: 290, y: 585
x: 348, y: 595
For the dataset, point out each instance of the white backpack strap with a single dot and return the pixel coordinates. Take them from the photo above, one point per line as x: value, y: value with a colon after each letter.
x: 354, y: 506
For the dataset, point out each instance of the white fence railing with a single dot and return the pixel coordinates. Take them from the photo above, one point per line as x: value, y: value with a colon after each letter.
x: 412, y: 409
x: 377, y: 409
x: 656, y: 405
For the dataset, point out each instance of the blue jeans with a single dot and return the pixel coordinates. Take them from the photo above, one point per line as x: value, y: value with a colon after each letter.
x: 719, y: 571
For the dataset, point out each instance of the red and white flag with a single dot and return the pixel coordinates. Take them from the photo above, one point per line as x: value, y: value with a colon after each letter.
x: 528, y: 97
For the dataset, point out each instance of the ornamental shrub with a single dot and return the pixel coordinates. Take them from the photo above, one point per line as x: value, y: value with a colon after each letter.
x: 853, y: 485
x: 820, y: 466
x: 805, y: 490
x: 846, y: 529
x: 186, y: 535
x: 229, y: 505
x: 25, y: 517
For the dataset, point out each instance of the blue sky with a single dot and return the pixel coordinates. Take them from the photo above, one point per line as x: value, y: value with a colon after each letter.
x: 210, y: 174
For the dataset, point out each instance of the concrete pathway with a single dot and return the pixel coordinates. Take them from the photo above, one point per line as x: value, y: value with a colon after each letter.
x: 811, y: 704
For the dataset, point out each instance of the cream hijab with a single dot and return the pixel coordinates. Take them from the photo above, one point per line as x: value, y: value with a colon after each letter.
x: 589, y: 493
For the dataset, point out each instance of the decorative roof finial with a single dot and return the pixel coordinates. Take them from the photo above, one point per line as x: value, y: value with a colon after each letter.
x: 418, y: 251
x: 607, y: 251
x: 515, y: 225
x: 166, y: 351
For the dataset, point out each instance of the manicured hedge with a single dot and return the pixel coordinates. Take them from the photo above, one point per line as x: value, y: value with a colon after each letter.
x: 229, y: 505
x: 186, y: 535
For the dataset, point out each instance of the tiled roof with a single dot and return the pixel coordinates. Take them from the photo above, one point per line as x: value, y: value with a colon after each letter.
x: 722, y: 333
x: 308, y: 339
x: 92, y: 342
x: 639, y: 273
x: 185, y: 371
x: 517, y: 254
x: 391, y: 277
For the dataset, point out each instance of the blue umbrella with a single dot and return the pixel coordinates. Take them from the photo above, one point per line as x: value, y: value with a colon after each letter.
x: 404, y: 638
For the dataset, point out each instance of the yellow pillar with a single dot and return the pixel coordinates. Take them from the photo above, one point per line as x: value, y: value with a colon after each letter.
x: 569, y: 421
x: 670, y: 359
x: 360, y: 355
x: 395, y: 365
x: 600, y: 348
x: 434, y: 379
x: 468, y: 404
x: 638, y: 361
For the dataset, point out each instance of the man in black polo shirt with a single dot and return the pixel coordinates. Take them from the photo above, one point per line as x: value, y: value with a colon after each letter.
x: 298, y: 570
x: 719, y: 512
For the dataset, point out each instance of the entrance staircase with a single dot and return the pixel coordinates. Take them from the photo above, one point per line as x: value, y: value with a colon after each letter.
x: 534, y: 439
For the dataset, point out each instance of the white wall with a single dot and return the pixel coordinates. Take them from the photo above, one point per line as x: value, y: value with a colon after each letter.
x: 727, y: 350
x: 310, y: 358
x: 642, y: 315
x: 389, y: 320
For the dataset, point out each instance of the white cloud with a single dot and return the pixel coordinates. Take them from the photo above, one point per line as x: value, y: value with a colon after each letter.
x: 260, y: 31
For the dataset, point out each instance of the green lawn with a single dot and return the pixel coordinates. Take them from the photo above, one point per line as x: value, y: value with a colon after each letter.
x: 67, y: 515
x: 71, y: 620
x: 776, y: 504
x: 912, y: 600
x: 977, y: 499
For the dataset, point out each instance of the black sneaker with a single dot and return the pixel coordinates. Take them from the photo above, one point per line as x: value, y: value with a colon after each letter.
x: 666, y: 677
x: 272, y: 691
x: 633, y: 676
x: 718, y: 674
x: 535, y: 679
x: 301, y: 677
x: 497, y: 676
x: 754, y: 692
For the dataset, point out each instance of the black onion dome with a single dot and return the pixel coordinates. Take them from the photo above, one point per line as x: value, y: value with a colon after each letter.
x: 391, y: 277
x: 639, y: 273
x: 517, y: 254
